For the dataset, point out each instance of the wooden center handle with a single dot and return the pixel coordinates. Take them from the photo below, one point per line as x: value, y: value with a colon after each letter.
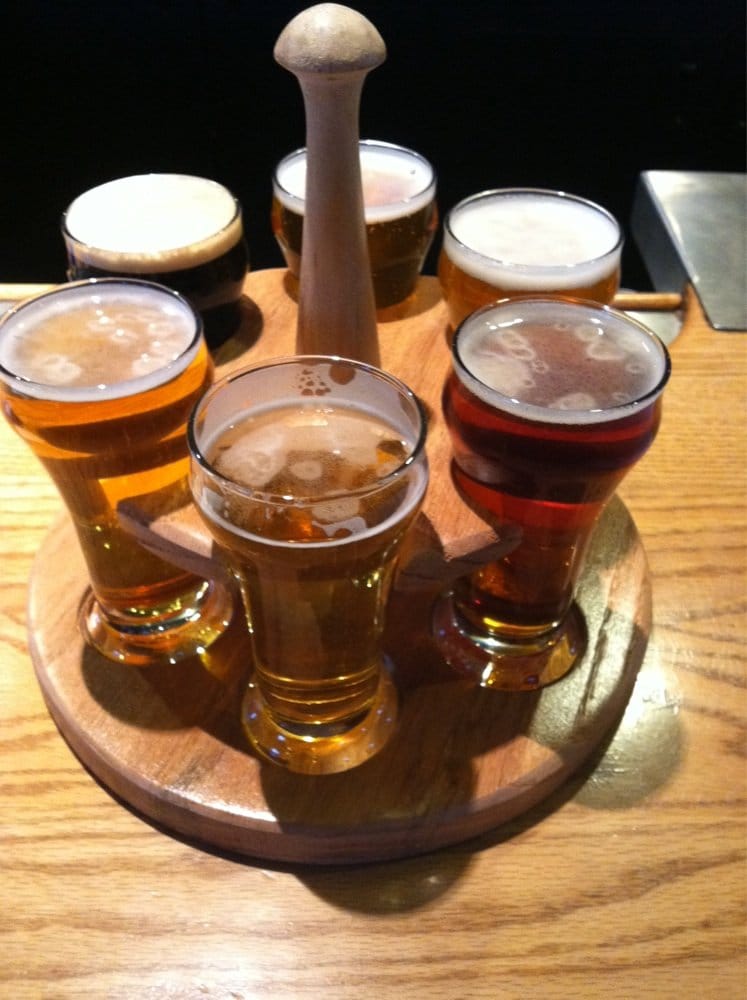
x: 330, y: 49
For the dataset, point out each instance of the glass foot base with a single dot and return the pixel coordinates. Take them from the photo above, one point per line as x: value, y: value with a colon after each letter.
x: 319, y: 749
x: 165, y: 638
x: 505, y: 665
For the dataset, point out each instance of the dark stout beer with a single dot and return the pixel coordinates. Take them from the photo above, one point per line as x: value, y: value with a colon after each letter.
x: 177, y: 230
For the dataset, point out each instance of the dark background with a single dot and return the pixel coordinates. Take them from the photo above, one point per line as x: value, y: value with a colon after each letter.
x: 577, y: 95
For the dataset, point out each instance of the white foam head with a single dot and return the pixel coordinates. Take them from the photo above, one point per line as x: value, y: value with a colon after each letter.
x: 396, y: 181
x: 532, y: 240
x: 559, y: 362
x: 151, y: 223
x: 96, y: 340
x: 252, y: 461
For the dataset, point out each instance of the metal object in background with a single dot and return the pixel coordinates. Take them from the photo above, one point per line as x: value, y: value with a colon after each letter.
x: 692, y: 226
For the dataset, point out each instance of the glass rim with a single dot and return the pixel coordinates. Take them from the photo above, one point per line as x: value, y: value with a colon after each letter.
x: 546, y: 415
x: 86, y: 394
x: 367, y: 144
x: 165, y: 252
x: 273, y: 499
x: 497, y: 262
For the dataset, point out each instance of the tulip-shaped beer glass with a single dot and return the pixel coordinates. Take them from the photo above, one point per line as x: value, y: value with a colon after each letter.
x: 308, y: 472
x: 99, y: 377
x: 549, y: 404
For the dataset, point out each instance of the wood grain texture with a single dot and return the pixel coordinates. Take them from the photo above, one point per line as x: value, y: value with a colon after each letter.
x: 629, y: 881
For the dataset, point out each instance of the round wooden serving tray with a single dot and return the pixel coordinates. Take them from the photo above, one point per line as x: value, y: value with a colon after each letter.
x: 168, y: 740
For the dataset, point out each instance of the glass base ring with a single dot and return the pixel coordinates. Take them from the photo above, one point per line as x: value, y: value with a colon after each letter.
x: 169, y: 636
x: 503, y: 664
x: 318, y: 749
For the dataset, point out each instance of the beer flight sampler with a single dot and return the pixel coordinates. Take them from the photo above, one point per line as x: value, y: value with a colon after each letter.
x: 369, y: 534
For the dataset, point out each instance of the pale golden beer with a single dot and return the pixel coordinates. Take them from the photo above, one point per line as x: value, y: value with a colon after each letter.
x: 99, y: 378
x: 308, y: 473
x: 174, y: 229
x: 527, y: 241
x: 399, y: 194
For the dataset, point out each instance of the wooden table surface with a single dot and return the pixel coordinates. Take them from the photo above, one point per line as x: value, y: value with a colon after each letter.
x: 630, y: 881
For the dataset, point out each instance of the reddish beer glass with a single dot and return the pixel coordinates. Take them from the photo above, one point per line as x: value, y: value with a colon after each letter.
x: 549, y: 404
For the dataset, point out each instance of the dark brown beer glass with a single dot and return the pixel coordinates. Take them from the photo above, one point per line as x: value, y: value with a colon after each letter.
x: 308, y: 472
x: 399, y: 195
x: 527, y: 241
x: 99, y: 377
x: 173, y: 229
x: 549, y: 405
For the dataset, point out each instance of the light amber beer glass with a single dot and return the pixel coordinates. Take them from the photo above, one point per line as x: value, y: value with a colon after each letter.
x: 549, y: 404
x: 99, y: 377
x: 308, y: 472
x: 527, y: 241
x: 399, y: 195
x: 173, y: 229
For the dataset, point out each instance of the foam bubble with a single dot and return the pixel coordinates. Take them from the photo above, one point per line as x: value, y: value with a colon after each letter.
x: 517, y: 345
x: 338, y: 511
x: 308, y: 470
x: 602, y: 350
x: 575, y: 401
x: 508, y: 375
x: 58, y: 370
x: 254, y: 459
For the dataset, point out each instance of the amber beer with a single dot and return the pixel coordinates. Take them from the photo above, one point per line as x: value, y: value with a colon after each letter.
x: 525, y: 241
x: 173, y: 229
x: 99, y: 377
x: 399, y: 194
x: 308, y: 473
x: 549, y: 405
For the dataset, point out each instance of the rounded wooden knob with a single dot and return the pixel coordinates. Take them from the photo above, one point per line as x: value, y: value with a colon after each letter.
x: 329, y: 38
x: 330, y: 49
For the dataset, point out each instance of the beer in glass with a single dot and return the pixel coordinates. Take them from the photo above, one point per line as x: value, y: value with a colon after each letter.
x: 174, y: 229
x: 99, y: 377
x: 549, y: 404
x: 399, y: 195
x: 308, y: 472
x: 526, y: 241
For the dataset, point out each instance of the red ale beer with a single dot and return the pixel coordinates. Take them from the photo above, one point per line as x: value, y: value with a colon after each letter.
x: 549, y: 405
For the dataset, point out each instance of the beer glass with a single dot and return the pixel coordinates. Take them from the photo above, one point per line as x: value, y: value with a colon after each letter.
x: 308, y: 472
x: 399, y: 194
x: 99, y: 377
x: 174, y: 229
x: 527, y: 241
x: 549, y: 404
